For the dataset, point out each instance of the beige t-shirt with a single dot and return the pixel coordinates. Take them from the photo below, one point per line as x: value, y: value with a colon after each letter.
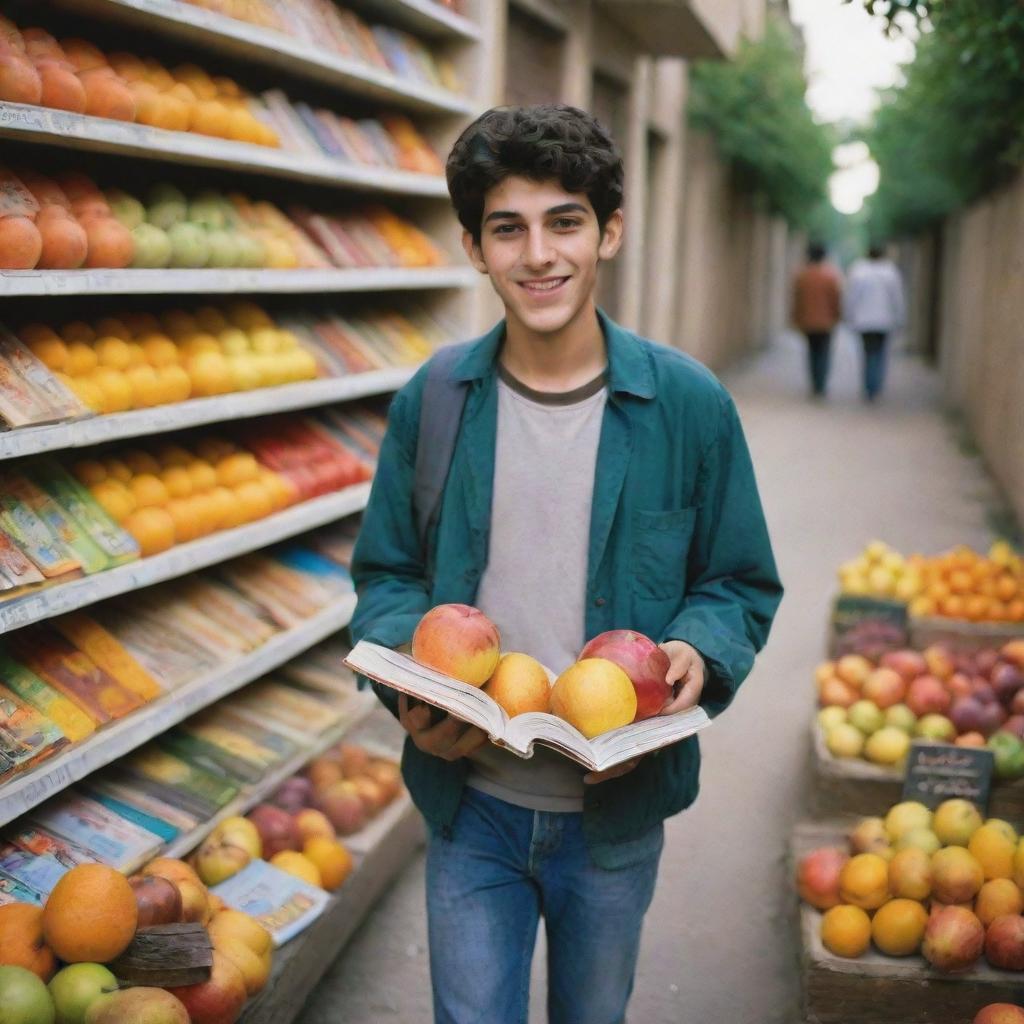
x: 534, y: 586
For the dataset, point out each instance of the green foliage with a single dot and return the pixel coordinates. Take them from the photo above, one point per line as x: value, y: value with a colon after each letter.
x: 754, y: 106
x: 955, y: 128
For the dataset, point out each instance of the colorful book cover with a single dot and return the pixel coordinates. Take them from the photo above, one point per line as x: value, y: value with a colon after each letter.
x: 60, y: 402
x: 282, y: 903
x: 232, y: 610
x: 73, y: 673
x: 287, y: 706
x: 165, y: 768
x: 324, y: 140
x: 259, y: 732
x: 72, y: 535
x: 233, y: 743
x: 326, y: 572
x: 210, y: 758
x: 90, y: 826
x: 50, y: 555
x: 39, y: 859
x: 18, y: 573
x: 26, y: 736
x: 13, y: 891
x: 107, y: 652
x: 64, y: 713
x: 148, y: 822
x: 110, y: 785
x: 116, y: 543
x: 20, y: 403
x: 167, y: 792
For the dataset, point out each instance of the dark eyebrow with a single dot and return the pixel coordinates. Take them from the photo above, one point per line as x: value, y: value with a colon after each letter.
x: 553, y: 212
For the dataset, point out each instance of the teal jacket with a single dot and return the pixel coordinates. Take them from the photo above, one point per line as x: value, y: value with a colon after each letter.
x: 679, y: 550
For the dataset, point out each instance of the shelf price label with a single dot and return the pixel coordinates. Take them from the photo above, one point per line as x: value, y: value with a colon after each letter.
x: 941, y: 771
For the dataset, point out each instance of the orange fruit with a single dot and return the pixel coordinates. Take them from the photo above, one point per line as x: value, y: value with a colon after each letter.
x: 961, y: 581
x: 254, y: 499
x: 90, y: 916
x: 21, y: 940
x: 213, y: 449
x: 159, y: 350
x: 177, y: 481
x: 952, y: 607
x: 223, y: 507
x: 331, y: 859
x: 113, y: 352
x: 153, y: 528
x: 898, y: 927
x: 176, y: 382
x: 118, y: 470
x: 145, y: 385
x: 186, y: 525
x: 299, y: 865
x: 998, y: 897
x: 173, y: 455
x: 117, y: 500
x: 115, y: 326
x: 139, y: 461
x: 81, y: 359
x: 115, y: 388
x: 993, y: 849
x: 149, y: 489
x: 1006, y: 588
x: 88, y: 394
x: 209, y: 373
x: 204, y: 476
x: 51, y: 351
x: 89, y: 471
x: 238, y: 468
x: 864, y: 881
x: 78, y: 330
x: 846, y: 930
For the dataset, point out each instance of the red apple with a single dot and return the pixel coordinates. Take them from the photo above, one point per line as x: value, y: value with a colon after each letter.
x: 927, y: 696
x: 276, y: 828
x: 817, y: 877
x: 219, y: 999
x: 642, y: 660
x: 909, y: 664
x: 158, y: 899
x: 1004, y: 942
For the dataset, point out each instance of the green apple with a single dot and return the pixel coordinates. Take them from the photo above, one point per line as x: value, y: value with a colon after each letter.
x: 251, y: 250
x: 152, y: 246
x: 189, y: 247
x: 127, y: 209
x: 935, y: 727
x: 224, y: 249
x: 866, y: 715
x: 24, y: 999
x: 208, y: 209
x: 900, y: 716
x: 167, y: 206
x: 233, y: 341
x: 77, y: 987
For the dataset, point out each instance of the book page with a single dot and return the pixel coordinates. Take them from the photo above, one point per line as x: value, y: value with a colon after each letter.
x: 408, y: 676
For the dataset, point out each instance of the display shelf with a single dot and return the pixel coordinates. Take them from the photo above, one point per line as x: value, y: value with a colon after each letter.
x: 22, y: 123
x: 239, y: 39
x: 877, y: 989
x: 299, y: 965
x: 421, y: 17
x: 28, y: 790
x: 197, y: 411
x: 365, y: 705
x: 231, y: 281
x: 182, y: 559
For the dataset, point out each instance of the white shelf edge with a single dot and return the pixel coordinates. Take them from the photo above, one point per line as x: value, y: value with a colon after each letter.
x: 182, y: 559
x: 24, y: 792
x: 423, y: 17
x: 231, y: 281
x: 255, y: 793
x: 276, y: 48
x: 19, y: 121
x: 222, y: 408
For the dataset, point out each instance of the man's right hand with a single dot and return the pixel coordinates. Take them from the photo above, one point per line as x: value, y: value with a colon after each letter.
x: 449, y: 739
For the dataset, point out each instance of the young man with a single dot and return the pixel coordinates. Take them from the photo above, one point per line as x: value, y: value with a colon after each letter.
x: 598, y: 481
x: 817, y: 307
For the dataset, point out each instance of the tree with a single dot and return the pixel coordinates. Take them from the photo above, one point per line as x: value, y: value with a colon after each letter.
x: 755, y: 107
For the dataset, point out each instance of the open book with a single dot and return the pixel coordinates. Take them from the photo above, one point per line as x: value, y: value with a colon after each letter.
x: 519, y: 734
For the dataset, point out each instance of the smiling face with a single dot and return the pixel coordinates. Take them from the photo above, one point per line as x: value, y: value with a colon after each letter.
x: 541, y: 247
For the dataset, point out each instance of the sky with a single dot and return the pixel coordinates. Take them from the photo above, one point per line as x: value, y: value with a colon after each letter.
x: 849, y: 58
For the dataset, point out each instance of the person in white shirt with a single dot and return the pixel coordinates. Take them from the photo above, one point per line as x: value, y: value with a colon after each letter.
x: 874, y: 306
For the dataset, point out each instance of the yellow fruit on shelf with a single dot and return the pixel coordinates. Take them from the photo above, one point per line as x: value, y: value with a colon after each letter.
x: 203, y: 475
x: 117, y: 469
x: 51, y: 351
x: 177, y: 321
x: 192, y: 343
x: 113, y: 352
x: 332, y: 860
x: 177, y: 481
x: 89, y: 471
x: 237, y: 468
x: 149, y: 490
x: 254, y: 499
x: 88, y: 393
x: 299, y: 865
x: 210, y: 319
x: 245, y: 373
x: 846, y: 931
x: 209, y: 373
x: 153, y: 528
x: 221, y: 502
x: 81, y: 359
x: 113, y: 325
x: 159, y: 350
x: 139, y: 461
x: 146, y: 386
x: 78, y: 330
x: 117, y: 500
x: 173, y: 455
x: 186, y: 525
x: 176, y: 382
x: 115, y: 388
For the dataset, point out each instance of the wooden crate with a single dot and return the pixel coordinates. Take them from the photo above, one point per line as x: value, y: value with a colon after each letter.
x: 876, y: 989
x: 960, y: 635
x: 843, y: 786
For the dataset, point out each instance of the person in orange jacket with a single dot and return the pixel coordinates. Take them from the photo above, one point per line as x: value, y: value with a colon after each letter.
x: 817, y: 308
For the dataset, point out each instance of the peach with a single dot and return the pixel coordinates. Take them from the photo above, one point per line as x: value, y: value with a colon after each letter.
x: 219, y: 999
x: 908, y: 664
x: 885, y: 687
x: 62, y: 88
x: 106, y: 95
x: 21, y: 245
x: 817, y: 877
x: 939, y: 660
x: 371, y: 793
x: 19, y: 80
x: 352, y: 758
x: 388, y: 776
x: 110, y: 243
x: 853, y: 669
x: 127, y: 65
x: 927, y: 696
x: 76, y: 186
x: 83, y: 55
x: 323, y: 772
x: 239, y: 926
x: 46, y: 191
x: 343, y: 807
x: 1004, y: 942
x: 332, y: 860
x: 953, y: 939
x: 10, y: 35
x: 64, y: 242
x: 195, y: 904
x: 140, y: 1005
x: 910, y: 874
x: 459, y: 641
x: 835, y: 693
x: 999, y: 1013
x: 869, y: 836
x: 218, y: 860
x: 210, y: 117
x: 645, y: 663
x: 40, y: 45
x: 956, y: 875
x: 255, y: 969
x: 594, y: 696
x: 520, y: 684
x: 313, y: 824
x: 172, y: 869
x: 997, y: 897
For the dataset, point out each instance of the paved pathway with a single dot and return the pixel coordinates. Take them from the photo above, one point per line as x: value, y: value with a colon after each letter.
x: 717, y: 947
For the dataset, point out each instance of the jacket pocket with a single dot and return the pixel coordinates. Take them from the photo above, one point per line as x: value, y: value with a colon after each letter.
x: 661, y: 542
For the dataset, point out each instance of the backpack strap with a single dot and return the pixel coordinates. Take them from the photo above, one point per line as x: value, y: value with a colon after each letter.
x: 440, y: 415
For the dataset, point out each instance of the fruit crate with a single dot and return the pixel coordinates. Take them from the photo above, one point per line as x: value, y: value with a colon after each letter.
x: 877, y: 989
x: 960, y: 635
x: 843, y: 786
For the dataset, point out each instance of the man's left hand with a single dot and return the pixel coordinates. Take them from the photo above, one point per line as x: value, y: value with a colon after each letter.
x: 685, y: 676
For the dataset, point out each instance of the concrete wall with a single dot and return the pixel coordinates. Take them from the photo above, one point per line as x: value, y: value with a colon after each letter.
x: 980, y: 348
x: 700, y: 267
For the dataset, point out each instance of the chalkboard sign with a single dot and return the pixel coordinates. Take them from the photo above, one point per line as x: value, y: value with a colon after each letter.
x: 940, y: 771
x: 853, y: 613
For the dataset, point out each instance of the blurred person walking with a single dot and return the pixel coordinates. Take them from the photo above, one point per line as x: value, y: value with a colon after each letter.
x: 816, y: 309
x: 874, y: 307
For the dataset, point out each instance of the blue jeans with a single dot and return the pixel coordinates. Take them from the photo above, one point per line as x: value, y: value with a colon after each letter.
x: 818, y: 347
x: 874, y: 362
x: 487, y: 887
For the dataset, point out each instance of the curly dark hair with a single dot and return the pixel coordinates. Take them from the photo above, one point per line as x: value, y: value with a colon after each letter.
x: 542, y: 142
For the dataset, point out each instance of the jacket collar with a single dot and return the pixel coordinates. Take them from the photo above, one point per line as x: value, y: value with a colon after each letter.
x: 629, y: 367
